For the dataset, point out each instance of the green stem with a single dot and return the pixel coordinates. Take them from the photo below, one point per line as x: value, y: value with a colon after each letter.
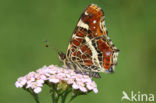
x: 73, y: 97
x: 55, y: 96
x: 35, y: 96
x: 65, y: 95
x: 75, y: 94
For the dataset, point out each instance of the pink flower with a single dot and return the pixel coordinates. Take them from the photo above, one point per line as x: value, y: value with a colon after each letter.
x: 70, y: 80
x: 83, y: 89
x: 95, y: 90
x: 79, y: 77
x: 53, y: 79
x: 37, y: 90
x: 55, y: 74
x: 20, y: 82
x: 75, y: 86
x: 91, y: 85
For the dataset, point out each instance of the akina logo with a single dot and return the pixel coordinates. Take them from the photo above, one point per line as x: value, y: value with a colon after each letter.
x: 137, y: 96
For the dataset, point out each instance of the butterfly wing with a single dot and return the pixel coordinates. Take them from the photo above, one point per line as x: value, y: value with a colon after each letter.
x: 88, y: 44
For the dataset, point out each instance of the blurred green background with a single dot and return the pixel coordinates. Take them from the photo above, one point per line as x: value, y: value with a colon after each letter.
x: 25, y: 24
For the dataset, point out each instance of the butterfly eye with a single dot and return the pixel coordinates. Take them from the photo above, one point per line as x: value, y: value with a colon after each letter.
x: 62, y: 56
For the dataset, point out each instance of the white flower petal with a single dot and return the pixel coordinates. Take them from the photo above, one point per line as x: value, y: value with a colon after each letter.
x: 95, y: 90
x: 37, y: 90
x: 75, y: 86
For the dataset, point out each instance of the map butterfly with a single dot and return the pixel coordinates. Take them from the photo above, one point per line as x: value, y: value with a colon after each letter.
x: 90, y: 50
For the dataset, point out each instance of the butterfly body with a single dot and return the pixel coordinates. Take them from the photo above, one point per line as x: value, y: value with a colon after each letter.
x: 90, y: 50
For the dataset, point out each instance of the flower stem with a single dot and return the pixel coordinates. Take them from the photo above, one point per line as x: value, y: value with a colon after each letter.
x: 54, y: 93
x: 35, y: 96
x: 65, y: 96
x: 55, y: 97
x: 73, y: 97
x: 75, y: 94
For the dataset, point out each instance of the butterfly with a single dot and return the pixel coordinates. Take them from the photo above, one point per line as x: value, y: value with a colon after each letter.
x: 90, y: 50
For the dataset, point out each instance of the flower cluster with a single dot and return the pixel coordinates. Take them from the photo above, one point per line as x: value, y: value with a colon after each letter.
x: 54, y: 75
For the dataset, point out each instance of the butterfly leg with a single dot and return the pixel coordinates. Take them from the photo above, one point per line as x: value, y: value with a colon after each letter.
x: 79, y: 71
x: 89, y: 73
x: 94, y: 74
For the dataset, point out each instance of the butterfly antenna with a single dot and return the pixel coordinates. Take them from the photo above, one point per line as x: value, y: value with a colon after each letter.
x: 50, y: 46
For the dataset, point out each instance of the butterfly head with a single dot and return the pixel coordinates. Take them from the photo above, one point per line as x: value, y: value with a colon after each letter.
x: 62, y: 56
